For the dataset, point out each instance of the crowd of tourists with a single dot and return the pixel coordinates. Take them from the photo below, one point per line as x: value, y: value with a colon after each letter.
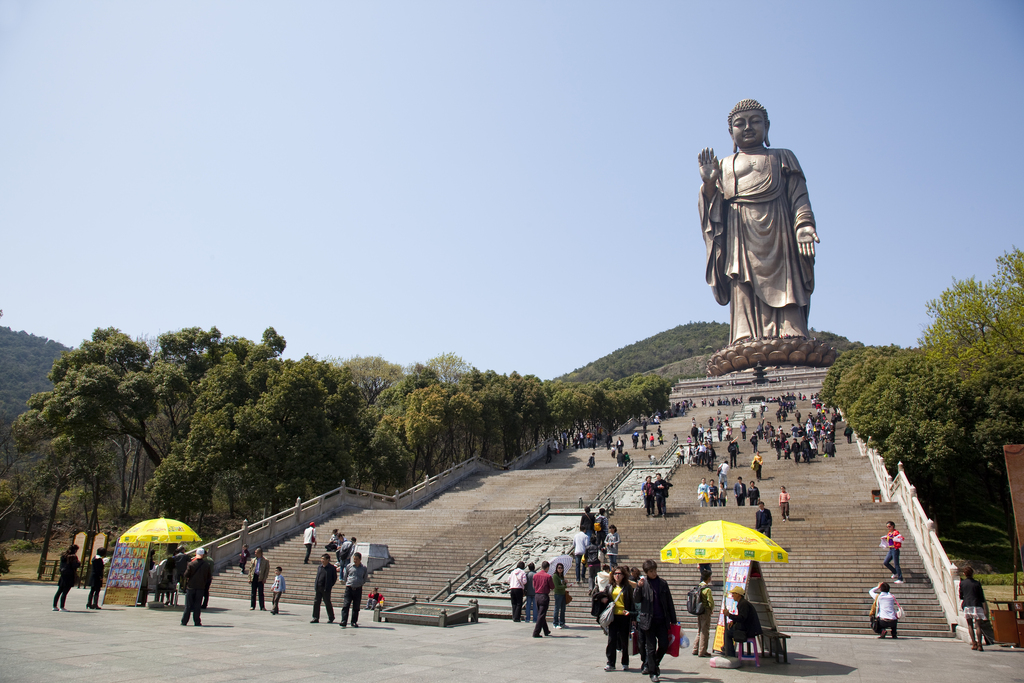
x: 634, y: 605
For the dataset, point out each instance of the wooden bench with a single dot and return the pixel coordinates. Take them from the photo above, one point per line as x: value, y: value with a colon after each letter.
x: 773, y: 644
x: 50, y: 570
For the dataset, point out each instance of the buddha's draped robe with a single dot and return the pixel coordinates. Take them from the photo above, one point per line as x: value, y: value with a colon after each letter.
x: 753, y: 262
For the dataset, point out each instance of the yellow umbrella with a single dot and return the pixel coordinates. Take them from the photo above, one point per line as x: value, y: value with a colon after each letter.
x: 721, y: 540
x: 160, y: 530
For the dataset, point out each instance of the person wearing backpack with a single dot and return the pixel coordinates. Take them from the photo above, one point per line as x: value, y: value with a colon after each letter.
x: 587, y: 520
x: 345, y: 550
x: 701, y: 603
x: 601, y: 527
x: 592, y: 556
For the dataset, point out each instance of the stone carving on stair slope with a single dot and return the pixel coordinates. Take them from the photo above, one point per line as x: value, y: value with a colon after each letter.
x: 550, y: 538
x: 628, y: 494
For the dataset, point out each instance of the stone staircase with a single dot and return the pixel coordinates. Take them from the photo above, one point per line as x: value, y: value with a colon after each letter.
x: 832, y: 540
x: 435, y: 542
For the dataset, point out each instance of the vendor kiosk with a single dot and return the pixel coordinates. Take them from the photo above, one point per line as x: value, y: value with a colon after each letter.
x: 747, y: 575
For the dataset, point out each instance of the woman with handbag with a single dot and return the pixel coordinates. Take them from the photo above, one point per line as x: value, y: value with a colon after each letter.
x: 972, y: 598
x: 558, y: 579
x: 885, y: 611
x: 620, y: 600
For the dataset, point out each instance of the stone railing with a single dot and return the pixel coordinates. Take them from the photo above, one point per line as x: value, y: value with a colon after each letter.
x: 288, y: 522
x: 669, y: 452
x: 770, y: 389
x: 943, y: 573
x: 608, y: 491
x: 479, y: 563
x: 631, y: 424
x: 529, y: 457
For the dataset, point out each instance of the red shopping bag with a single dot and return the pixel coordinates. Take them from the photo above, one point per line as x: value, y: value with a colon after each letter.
x: 673, y: 640
x: 636, y: 641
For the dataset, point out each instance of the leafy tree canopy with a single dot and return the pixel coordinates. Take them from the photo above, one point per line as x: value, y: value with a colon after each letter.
x: 974, y: 321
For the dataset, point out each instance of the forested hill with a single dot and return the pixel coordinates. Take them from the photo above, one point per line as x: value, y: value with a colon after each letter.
x: 664, y: 353
x: 679, y: 343
x: 25, y: 361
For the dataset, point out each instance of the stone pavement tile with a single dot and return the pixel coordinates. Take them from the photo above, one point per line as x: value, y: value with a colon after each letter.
x: 150, y: 645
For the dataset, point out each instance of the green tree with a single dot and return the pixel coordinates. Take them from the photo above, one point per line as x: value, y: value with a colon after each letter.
x: 449, y: 367
x: 390, y: 460
x: 103, y: 389
x: 974, y: 321
x: 286, y: 428
x: 371, y: 374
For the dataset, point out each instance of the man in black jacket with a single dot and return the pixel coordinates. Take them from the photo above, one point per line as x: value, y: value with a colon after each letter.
x: 733, y: 450
x: 763, y: 520
x: 661, y: 488
x: 198, y: 577
x: 326, y: 577
x: 657, y: 613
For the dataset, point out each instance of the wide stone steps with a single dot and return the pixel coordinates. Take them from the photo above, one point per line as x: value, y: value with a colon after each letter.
x: 832, y: 538
x: 432, y: 544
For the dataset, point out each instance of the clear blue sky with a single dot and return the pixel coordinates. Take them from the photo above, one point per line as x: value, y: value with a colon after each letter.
x: 515, y: 182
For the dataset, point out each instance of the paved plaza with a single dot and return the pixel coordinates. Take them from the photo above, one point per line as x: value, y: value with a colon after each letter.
x: 137, y: 644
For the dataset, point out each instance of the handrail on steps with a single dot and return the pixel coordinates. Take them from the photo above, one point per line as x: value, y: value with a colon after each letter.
x: 944, y: 574
x: 520, y: 529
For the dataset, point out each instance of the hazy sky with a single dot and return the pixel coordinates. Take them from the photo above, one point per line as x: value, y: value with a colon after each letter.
x: 515, y: 181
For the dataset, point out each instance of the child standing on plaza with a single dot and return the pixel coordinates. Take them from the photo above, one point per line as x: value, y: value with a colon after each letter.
x: 277, y: 589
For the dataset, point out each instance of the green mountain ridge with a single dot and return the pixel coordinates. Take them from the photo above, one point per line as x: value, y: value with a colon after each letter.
x: 677, y: 353
x: 25, y: 362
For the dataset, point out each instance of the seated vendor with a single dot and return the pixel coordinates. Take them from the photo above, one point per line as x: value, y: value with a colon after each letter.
x: 742, y: 625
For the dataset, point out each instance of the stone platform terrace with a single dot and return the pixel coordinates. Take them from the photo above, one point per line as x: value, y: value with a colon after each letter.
x: 138, y: 644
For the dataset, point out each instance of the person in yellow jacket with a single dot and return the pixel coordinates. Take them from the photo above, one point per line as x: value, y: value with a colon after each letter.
x: 756, y: 464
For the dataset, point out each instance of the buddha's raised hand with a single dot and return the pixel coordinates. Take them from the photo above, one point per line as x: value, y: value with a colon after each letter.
x: 709, y: 169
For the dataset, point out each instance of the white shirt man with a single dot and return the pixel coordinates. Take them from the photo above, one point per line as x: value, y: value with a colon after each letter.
x: 580, y: 543
x: 309, y: 540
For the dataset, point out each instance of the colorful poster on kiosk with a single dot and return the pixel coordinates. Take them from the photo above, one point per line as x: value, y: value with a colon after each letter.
x: 124, y: 581
x: 738, y: 574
